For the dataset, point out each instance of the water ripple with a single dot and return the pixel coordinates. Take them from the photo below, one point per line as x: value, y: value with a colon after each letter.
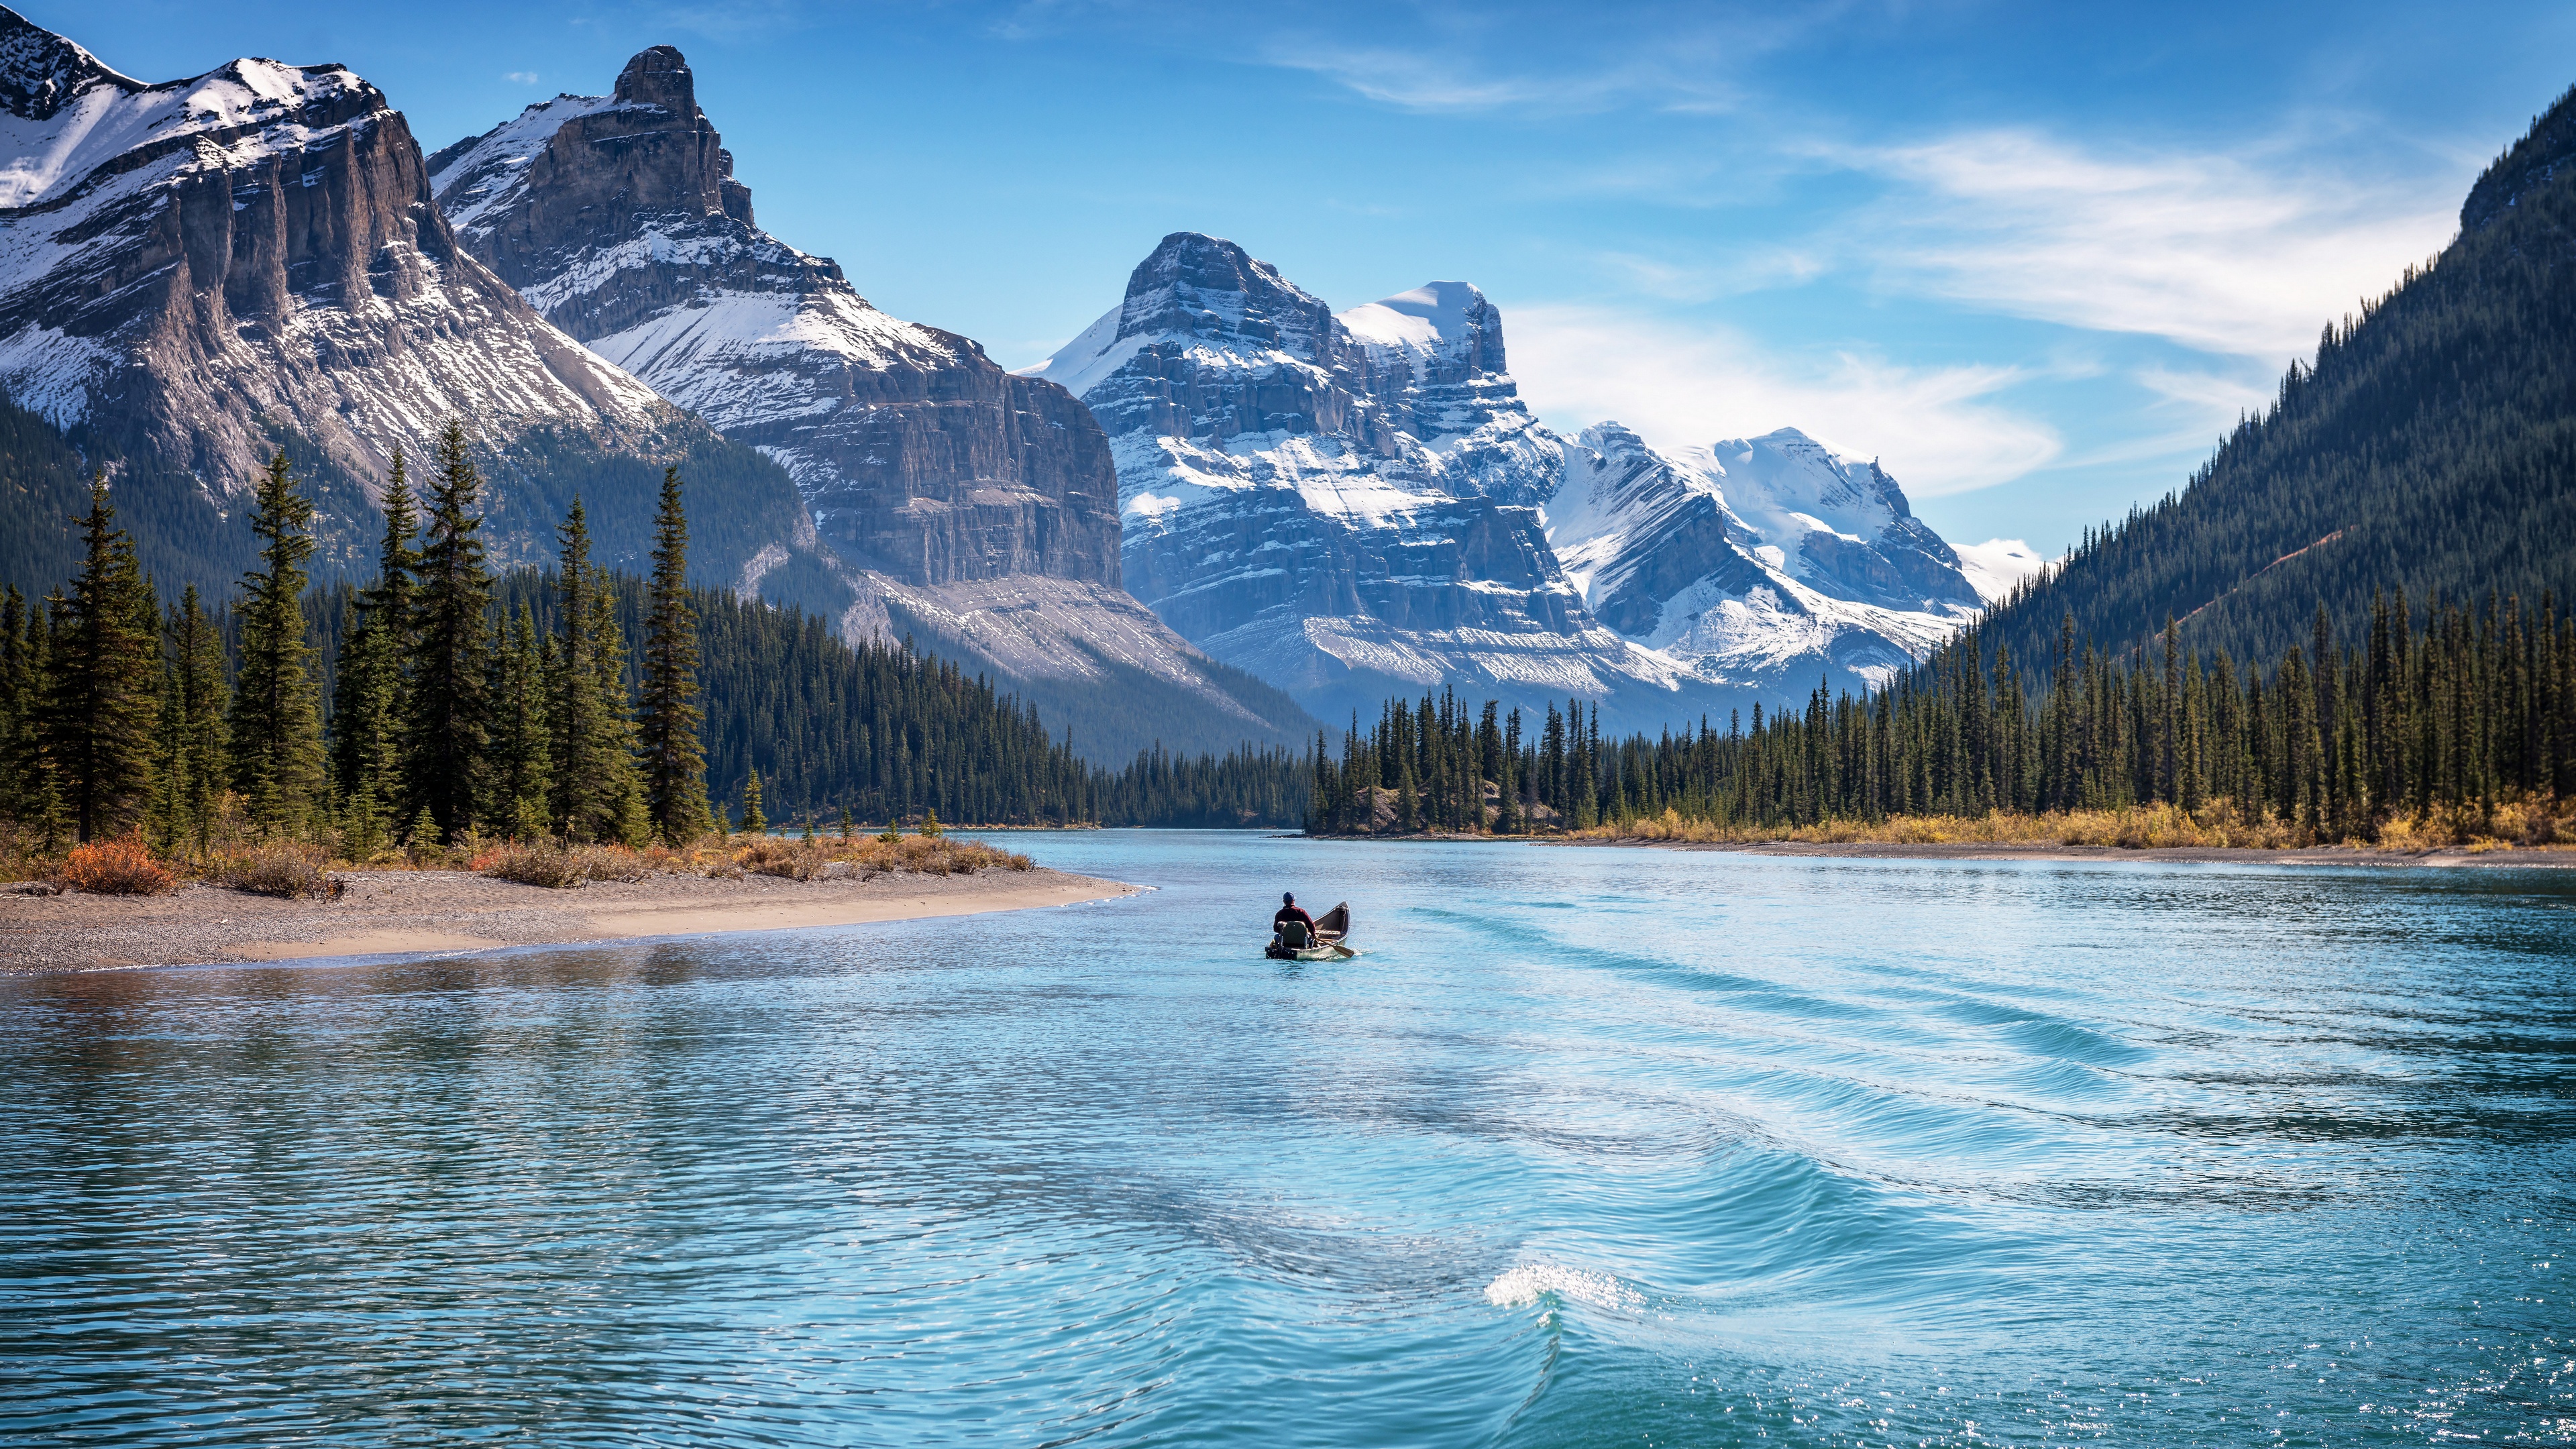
x: 1594, y: 1147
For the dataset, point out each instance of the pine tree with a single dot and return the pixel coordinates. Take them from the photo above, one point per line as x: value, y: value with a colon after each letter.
x: 621, y: 782
x: 275, y: 728
x: 369, y: 706
x: 101, y: 689
x: 597, y: 795
x: 668, y: 717
x: 581, y: 807
x: 188, y: 764
x: 449, y: 717
x: 753, y: 822
x: 520, y: 765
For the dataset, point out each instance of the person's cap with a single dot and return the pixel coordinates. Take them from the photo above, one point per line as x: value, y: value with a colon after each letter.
x: 1288, y: 897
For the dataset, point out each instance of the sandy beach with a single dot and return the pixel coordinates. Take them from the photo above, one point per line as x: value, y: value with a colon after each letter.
x: 395, y: 912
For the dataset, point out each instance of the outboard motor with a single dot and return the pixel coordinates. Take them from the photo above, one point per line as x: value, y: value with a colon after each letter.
x: 1292, y: 934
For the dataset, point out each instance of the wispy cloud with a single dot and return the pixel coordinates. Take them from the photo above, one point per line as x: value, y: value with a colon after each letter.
x: 1432, y: 78
x: 521, y: 77
x: 1938, y: 430
x: 2244, y: 255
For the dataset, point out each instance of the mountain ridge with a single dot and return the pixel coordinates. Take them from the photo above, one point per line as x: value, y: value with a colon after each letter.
x: 1360, y: 502
x: 951, y: 501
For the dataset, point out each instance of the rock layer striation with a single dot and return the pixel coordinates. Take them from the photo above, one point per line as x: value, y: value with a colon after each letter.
x: 951, y: 498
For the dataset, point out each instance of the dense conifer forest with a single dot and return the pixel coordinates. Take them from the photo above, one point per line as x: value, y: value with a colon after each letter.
x: 439, y: 701
x: 2430, y: 444
x: 2438, y: 714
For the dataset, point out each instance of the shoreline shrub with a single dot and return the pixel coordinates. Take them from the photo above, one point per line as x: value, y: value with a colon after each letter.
x: 120, y: 867
x: 289, y: 872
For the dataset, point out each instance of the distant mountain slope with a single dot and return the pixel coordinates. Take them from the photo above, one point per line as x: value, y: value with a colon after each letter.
x: 971, y: 509
x: 1359, y: 504
x: 196, y: 273
x: 2432, y: 445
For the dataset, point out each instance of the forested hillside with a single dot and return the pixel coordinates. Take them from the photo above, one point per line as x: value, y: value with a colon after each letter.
x: 891, y: 734
x: 2431, y: 447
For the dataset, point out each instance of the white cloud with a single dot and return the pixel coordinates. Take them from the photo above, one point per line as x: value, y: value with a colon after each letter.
x: 1993, y: 567
x: 2241, y: 255
x: 1937, y: 430
x: 522, y: 77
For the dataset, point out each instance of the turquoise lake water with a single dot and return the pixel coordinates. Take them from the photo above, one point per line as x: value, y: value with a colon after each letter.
x: 1594, y: 1146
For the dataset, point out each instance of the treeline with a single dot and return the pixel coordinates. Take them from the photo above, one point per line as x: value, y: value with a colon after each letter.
x: 2451, y: 711
x: 446, y: 716
x: 440, y: 700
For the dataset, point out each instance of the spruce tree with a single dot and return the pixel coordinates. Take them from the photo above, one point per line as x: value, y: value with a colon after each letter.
x: 275, y: 728
x: 522, y: 778
x: 621, y: 782
x: 101, y: 690
x: 753, y: 822
x: 675, y: 767
x: 449, y: 717
x: 197, y: 682
x: 368, y: 706
x: 596, y: 794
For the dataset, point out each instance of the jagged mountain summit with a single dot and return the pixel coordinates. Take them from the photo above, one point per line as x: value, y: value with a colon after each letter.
x: 1347, y: 513
x: 1759, y: 562
x: 196, y: 273
x: 1361, y: 503
x: 950, y: 499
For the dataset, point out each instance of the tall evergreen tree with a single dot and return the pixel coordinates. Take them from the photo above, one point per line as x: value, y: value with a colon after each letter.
x: 197, y: 696
x: 276, y: 729
x: 593, y: 755
x: 101, y: 692
x: 621, y: 782
x: 449, y: 716
x: 522, y: 777
x: 368, y: 707
x: 675, y: 765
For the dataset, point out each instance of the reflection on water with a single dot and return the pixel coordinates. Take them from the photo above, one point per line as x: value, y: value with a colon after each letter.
x: 1595, y: 1146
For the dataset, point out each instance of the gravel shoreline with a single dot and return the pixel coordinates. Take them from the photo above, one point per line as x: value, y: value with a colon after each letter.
x: 397, y: 912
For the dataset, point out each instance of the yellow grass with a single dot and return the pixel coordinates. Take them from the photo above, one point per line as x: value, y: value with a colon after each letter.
x: 2523, y: 825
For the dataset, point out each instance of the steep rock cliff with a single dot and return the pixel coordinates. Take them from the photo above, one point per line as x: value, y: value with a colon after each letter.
x: 1356, y: 503
x: 196, y: 273
x: 969, y: 508
x: 1346, y: 511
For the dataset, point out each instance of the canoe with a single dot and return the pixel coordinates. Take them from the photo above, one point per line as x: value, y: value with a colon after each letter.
x: 1330, y: 928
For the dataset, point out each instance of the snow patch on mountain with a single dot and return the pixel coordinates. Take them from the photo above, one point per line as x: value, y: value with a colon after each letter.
x: 1362, y: 501
x: 250, y: 248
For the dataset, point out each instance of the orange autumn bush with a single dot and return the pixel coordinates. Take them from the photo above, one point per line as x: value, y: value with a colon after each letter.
x: 121, y: 867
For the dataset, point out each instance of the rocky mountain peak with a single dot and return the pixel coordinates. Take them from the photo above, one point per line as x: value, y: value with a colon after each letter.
x: 1198, y: 285
x: 659, y: 76
x: 41, y: 71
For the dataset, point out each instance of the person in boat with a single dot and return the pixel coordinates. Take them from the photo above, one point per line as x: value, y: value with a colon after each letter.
x: 1289, y: 910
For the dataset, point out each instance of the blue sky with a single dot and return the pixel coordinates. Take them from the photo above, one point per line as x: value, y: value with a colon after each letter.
x: 2033, y: 258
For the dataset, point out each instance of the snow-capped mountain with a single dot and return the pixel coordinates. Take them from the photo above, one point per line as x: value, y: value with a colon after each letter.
x: 194, y: 274
x: 953, y: 498
x: 1756, y: 562
x: 1357, y: 503
x: 1343, y: 505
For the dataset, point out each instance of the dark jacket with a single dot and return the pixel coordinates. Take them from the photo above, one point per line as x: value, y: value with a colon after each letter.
x: 1293, y: 913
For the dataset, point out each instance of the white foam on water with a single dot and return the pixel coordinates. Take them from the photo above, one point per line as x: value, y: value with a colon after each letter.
x: 1531, y: 1284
